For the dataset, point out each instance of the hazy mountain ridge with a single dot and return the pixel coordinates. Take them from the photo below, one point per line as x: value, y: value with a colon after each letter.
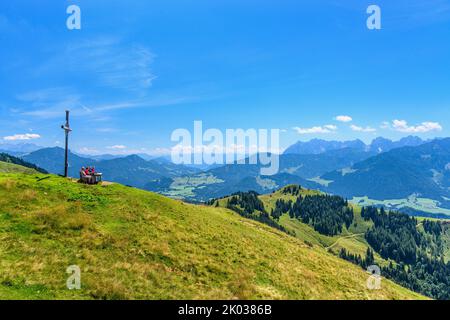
x: 378, y: 145
x: 423, y: 170
x: 230, y: 178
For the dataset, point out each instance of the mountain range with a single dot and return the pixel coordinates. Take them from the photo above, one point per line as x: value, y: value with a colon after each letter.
x: 230, y: 178
x: 18, y: 149
x: 423, y: 171
x: 378, y: 145
x: 412, y: 175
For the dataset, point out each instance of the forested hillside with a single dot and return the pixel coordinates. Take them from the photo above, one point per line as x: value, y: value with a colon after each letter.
x: 412, y: 253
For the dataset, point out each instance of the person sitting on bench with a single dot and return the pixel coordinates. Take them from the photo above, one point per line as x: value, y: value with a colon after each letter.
x: 84, y: 176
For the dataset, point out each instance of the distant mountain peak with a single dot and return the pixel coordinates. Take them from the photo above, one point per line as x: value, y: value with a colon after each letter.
x: 19, y: 147
x: 378, y: 145
x: 317, y: 146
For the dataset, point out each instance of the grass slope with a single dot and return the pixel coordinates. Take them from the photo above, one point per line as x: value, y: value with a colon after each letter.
x: 132, y: 244
x: 351, y: 239
x: 6, y: 167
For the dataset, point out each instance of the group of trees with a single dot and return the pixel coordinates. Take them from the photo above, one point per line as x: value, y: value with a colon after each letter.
x: 357, y: 259
x: 248, y: 205
x: 432, y: 227
x: 247, y: 201
x: 281, y: 207
x: 327, y: 214
x: 395, y: 235
x: 418, y: 266
x: 293, y: 190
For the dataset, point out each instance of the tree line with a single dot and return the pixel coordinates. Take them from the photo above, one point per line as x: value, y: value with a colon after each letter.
x: 248, y: 205
x: 326, y: 214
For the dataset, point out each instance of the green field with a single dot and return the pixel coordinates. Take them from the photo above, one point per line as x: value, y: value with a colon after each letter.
x: 413, y: 202
x: 184, y: 187
x: 132, y: 244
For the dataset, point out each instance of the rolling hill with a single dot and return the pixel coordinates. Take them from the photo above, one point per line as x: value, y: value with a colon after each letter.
x: 7, y: 167
x: 12, y: 162
x: 133, y: 244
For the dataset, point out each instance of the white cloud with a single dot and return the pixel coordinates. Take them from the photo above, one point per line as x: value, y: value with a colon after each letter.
x: 318, y: 129
x: 26, y: 136
x: 343, y: 118
x: 88, y: 151
x: 330, y: 127
x: 117, y: 147
x: 402, y: 126
x: 362, y: 129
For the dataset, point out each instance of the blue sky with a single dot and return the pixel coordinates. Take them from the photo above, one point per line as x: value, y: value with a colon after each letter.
x: 137, y: 70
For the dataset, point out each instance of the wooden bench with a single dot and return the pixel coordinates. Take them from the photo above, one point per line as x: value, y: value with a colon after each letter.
x: 91, y: 179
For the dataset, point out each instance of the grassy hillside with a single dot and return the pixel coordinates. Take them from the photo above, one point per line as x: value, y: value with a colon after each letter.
x: 6, y: 167
x: 7, y: 158
x: 351, y: 239
x: 132, y: 244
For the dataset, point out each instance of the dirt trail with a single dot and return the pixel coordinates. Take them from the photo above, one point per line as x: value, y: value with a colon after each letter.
x: 346, y: 237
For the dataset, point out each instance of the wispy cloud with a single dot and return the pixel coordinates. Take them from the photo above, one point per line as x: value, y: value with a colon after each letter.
x: 104, y: 62
x: 52, y: 102
x: 89, y: 151
x: 416, y: 13
x: 318, y: 129
x: 25, y: 136
x: 49, y: 102
x: 150, y: 102
x: 362, y: 129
